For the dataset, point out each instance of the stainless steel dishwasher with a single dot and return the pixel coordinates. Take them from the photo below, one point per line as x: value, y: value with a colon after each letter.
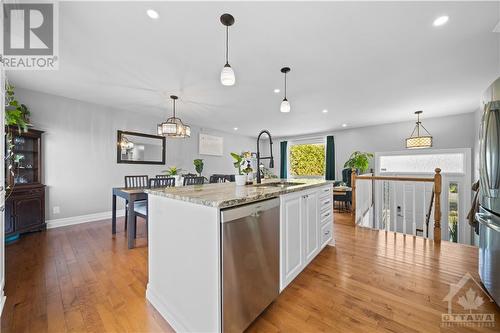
x: 250, y: 262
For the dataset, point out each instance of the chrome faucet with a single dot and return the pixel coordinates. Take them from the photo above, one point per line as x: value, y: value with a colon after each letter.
x: 270, y: 158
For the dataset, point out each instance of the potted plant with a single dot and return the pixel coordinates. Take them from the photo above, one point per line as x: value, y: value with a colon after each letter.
x: 198, y: 166
x: 239, y: 177
x: 173, y: 171
x: 248, y: 171
x: 359, y: 161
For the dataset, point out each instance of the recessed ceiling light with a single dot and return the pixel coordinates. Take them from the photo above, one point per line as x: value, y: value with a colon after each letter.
x: 236, y: 128
x: 325, y: 111
x: 153, y: 14
x: 441, y: 20
x: 276, y: 90
x: 344, y: 125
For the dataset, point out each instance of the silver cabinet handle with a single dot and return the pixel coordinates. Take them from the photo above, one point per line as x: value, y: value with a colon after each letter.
x: 1, y: 188
x: 485, y: 219
x: 327, y: 232
x: 2, y: 208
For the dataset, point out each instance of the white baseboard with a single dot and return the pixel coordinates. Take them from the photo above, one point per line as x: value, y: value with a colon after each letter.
x: 164, y: 310
x: 56, y: 223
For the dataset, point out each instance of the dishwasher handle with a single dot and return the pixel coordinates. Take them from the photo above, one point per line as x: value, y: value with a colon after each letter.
x: 253, y: 209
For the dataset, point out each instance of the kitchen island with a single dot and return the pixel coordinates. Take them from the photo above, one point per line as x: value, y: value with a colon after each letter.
x: 218, y: 254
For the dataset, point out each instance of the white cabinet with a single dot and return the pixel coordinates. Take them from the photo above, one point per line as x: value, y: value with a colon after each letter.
x: 291, y: 238
x: 306, y: 227
x: 311, y: 225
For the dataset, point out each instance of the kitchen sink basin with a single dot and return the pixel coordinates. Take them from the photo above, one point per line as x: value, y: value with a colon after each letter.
x: 278, y: 184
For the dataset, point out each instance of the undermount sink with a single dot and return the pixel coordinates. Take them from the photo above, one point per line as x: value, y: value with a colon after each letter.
x: 278, y: 184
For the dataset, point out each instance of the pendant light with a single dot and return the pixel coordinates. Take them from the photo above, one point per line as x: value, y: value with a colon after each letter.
x: 416, y: 140
x: 227, y: 77
x: 285, y: 104
x: 174, y: 127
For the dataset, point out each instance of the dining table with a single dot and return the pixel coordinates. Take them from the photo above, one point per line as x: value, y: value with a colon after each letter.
x: 341, y: 190
x: 131, y: 195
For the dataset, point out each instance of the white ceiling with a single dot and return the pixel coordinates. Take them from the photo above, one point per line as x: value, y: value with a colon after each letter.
x: 367, y: 63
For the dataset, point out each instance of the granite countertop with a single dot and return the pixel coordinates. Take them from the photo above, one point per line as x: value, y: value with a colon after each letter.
x: 225, y: 195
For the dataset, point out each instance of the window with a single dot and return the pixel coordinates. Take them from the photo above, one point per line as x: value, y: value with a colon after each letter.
x: 453, y: 211
x: 423, y: 163
x: 307, y: 159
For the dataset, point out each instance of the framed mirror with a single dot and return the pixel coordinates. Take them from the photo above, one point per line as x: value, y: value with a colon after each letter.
x: 140, y: 148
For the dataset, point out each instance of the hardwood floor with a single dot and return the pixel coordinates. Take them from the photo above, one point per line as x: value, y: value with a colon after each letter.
x: 80, y: 279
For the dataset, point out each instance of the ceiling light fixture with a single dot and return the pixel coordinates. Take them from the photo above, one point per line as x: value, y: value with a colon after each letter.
x: 440, y: 21
x: 227, y: 77
x: 153, y: 14
x: 174, y: 127
x: 285, y: 104
x: 276, y: 91
x: 417, y: 141
x: 236, y: 128
x: 325, y: 111
x: 344, y: 125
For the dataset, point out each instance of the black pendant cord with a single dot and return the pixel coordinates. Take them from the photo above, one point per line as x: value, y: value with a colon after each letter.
x: 227, y: 45
x: 285, y: 85
x: 174, y: 108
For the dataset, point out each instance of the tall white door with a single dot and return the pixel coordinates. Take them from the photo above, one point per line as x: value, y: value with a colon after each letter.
x: 403, y: 206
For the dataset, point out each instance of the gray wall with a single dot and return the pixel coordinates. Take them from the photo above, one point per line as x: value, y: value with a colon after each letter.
x: 79, y: 151
x: 448, y: 132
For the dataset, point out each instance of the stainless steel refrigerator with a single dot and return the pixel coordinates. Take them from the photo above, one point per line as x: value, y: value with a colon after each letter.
x: 489, y: 214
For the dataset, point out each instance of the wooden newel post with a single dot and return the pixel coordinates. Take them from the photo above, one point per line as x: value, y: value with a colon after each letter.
x: 353, y: 193
x: 437, y: 207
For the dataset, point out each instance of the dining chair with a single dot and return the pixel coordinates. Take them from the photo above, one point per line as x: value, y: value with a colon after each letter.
x: 161, y: 182
x: 218, y: 179
x: 136, y: 181
x: 193, y: 181
x: 131, y: 182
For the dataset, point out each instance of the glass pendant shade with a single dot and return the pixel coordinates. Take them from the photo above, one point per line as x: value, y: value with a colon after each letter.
x: 227, y: 77
x: 174, y: 127
x: 285, y: 106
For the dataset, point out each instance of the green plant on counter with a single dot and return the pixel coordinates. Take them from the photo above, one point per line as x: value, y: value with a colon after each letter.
x: 172, y: 171
x: 247, y: 169
x: 198, y: 166
x: 238, y: 160
x: 359, y: 161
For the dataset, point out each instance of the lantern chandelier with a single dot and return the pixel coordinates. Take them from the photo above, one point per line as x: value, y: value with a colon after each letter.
x: 416, y: 139
x: 174, y: 127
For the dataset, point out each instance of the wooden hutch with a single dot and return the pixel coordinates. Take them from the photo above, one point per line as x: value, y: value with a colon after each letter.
x: 25, y: 193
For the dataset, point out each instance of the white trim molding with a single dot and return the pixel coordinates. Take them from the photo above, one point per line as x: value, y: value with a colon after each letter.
x: 82, y: 219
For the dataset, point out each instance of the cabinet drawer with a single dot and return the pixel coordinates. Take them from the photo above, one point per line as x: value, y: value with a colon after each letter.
x: 325, y: 192
x: 325, y: 203
x: 326, y: 233
x: 326, y: 216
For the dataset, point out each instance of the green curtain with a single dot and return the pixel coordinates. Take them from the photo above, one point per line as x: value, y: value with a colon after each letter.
x: 330, y: 158
x: 283, y: 169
